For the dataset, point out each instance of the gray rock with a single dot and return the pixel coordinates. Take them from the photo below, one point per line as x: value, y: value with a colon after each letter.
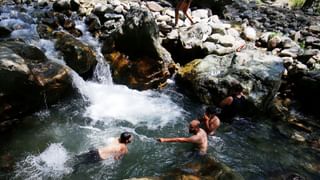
x: 4, y: 32
x: 259, y: 73
x: 226, y: 40
x: 195, y: 36
x: 315, y: 28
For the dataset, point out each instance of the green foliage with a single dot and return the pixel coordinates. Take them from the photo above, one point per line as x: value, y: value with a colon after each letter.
x: 302, y: 44
x: 296, y: 3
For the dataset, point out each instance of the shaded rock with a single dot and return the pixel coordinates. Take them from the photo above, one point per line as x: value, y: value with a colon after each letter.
x: 307, y: 96
x: 149, y: 63
x: 210, y: 78
x: 29, y: 53
x: 45, y: 31
x: 27, y: 83
x: 154, y: 6
x: 140, y: 73
x: 79, y: 56
x: 6, y: 163
x: 61, y: 5
x: 4, y: 32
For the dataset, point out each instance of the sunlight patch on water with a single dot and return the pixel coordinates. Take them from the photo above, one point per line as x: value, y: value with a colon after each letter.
x: 48, y: 164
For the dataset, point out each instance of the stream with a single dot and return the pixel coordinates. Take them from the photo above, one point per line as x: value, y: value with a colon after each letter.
x: 45, y: 143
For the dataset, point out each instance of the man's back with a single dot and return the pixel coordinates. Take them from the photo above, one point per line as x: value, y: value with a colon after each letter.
x: 116, y: 149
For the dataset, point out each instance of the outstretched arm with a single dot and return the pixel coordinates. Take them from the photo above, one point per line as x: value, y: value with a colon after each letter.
x: 191, y: 139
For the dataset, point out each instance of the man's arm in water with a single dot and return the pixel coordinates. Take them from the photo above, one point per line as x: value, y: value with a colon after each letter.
x: 192, y: 139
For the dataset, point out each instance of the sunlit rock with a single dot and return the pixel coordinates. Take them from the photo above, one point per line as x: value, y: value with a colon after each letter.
x: 79, y: 56
x: 210, y: 78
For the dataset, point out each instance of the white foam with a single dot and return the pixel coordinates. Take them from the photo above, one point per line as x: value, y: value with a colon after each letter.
x: 48, y: 164
x: 47, y: 46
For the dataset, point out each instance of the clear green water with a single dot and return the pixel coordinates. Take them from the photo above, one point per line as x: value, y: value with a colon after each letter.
x: 46, y: 142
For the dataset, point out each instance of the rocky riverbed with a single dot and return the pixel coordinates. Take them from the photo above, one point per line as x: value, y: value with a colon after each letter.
x: 272, y: 51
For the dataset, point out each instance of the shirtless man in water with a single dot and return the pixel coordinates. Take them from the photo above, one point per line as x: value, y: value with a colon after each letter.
x: 210, y: 121
x: 117, y: 149
x: 184, y: 6
x: 199, y: 137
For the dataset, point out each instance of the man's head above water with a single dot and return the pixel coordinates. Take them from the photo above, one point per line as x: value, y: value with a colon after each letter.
x: 125, y: 138
x: 194, y: 126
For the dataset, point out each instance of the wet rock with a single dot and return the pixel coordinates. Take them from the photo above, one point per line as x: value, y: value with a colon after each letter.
x: 307, y: 96
x: 149, y: 63
x: 140, y: 73
x: 6, y: 163
x: 45, y: 31
x: 4, y: 32
x: 153, y: 6
x: 27, y: 80
x: 30, y: 54
x: 75, y: 5
x: 79, y: 56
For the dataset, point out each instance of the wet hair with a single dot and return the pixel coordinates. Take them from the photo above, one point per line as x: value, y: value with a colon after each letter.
x: 124, y: 137
x: 211, y: 110
x: 237, y: 88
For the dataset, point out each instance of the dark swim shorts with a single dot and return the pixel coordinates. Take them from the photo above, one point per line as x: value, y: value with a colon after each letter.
x: 90, y: 157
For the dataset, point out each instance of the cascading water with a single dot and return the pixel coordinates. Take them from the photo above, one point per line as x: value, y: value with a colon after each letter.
x: 45, y: 144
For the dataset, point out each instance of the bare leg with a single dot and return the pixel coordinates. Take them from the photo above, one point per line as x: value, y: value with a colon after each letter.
x: 189, y: 17
x: 176, y: 16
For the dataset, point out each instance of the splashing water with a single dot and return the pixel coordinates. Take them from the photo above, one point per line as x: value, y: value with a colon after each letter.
x: 50, y: 163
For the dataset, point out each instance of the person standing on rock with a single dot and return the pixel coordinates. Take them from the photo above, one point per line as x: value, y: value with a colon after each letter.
x: 199, y: 138
x: 184, y: 6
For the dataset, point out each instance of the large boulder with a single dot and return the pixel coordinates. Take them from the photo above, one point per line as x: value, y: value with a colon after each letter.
x: 136, y: 55
x: 211, y: 78
x: 79, y: 56
x: 28, y: 81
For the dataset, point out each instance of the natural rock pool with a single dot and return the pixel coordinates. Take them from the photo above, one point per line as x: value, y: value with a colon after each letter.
x: 43, y: 145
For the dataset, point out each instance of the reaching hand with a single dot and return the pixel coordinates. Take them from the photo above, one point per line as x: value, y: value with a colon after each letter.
x: 160, y: 139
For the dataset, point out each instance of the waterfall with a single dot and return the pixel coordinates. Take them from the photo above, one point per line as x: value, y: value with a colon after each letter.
x: 111, y: 102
